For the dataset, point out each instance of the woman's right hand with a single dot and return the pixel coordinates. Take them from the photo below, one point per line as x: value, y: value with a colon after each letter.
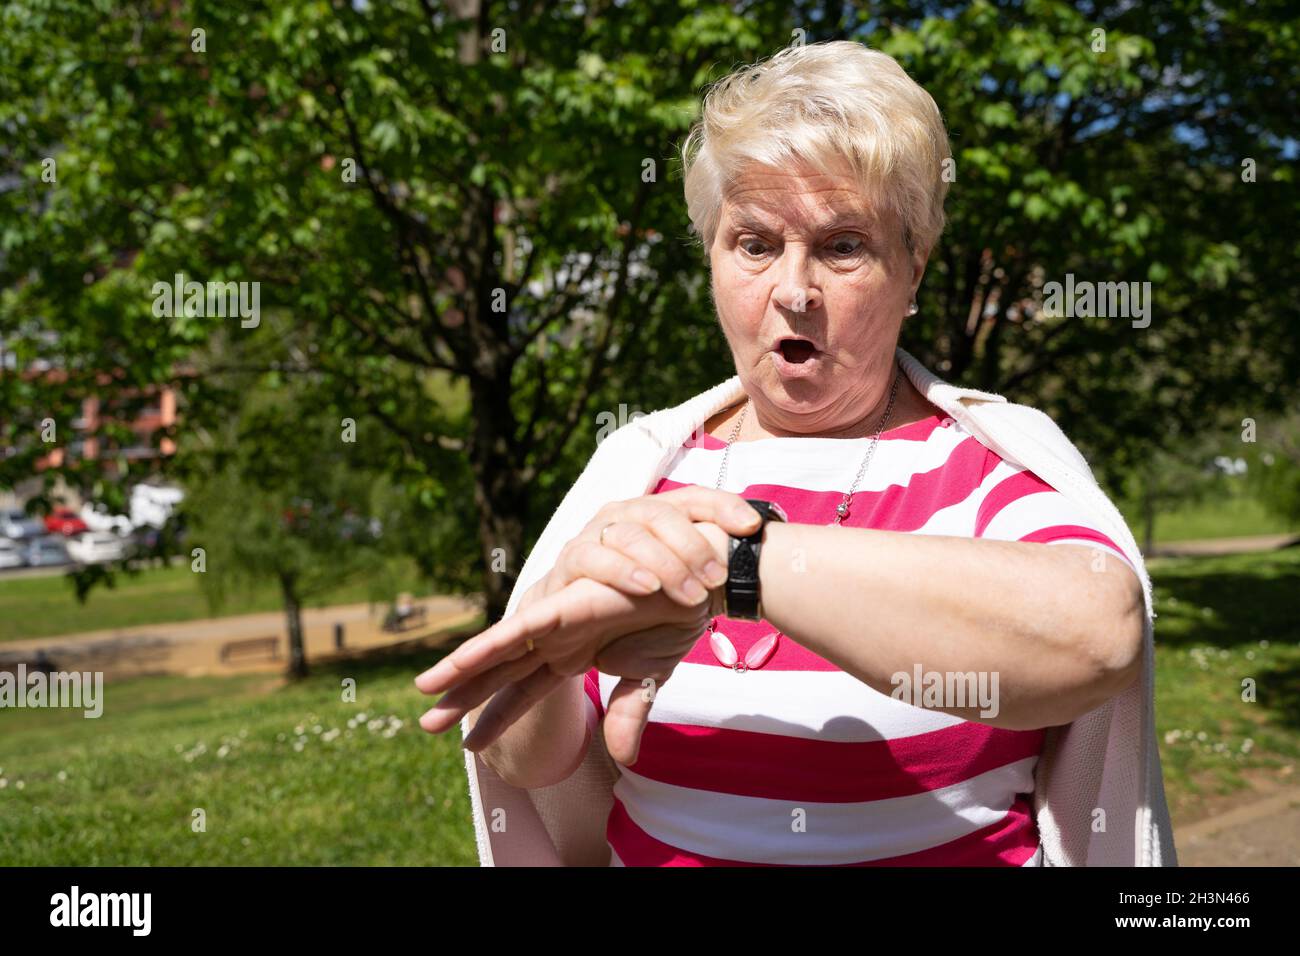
x: 651, y: 542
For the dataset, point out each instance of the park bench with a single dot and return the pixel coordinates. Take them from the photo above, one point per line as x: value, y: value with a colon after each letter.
x: 416, y: 618
x: 260, y: 647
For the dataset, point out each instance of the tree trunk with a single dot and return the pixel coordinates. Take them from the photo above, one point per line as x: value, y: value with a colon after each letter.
x: 501, y: 498
x: 293, y: 617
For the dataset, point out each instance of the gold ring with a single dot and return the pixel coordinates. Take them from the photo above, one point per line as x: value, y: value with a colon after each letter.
x: 530, y: 645
x: 603, y: 530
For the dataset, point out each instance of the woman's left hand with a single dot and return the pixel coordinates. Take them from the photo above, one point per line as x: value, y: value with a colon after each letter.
x: 583, y: 625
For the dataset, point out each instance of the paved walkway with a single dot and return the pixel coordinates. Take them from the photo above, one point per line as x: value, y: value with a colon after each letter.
x: 194, y: 648
x: 1256, y: 827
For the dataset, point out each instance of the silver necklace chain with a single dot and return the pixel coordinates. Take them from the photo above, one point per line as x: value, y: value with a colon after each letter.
x: 842, y: 510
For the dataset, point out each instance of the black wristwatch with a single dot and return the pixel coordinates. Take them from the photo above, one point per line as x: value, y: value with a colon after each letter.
x: 742, y: 598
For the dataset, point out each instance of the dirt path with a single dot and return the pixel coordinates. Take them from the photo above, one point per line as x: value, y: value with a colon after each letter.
x: 209, y: 646
x: 1259, y: 826
x: 1216, y: 546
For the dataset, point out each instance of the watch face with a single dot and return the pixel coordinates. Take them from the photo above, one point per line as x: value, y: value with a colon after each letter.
x: 779, y: 512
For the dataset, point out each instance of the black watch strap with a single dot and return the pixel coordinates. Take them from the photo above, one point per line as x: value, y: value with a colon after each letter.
x: 743, y: 600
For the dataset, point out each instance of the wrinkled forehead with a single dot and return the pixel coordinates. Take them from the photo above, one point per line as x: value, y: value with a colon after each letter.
x: 802, y: 197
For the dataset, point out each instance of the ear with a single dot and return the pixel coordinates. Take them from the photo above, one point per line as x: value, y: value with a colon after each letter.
x: 919, y: 260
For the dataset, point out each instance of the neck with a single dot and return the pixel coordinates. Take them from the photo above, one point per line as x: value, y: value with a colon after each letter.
x: 909, y: 406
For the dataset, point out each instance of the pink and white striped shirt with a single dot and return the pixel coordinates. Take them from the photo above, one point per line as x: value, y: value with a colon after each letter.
x: 799, y: 763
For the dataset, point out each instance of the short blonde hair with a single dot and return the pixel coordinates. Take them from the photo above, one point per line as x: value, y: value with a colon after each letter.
x: 823, y: 104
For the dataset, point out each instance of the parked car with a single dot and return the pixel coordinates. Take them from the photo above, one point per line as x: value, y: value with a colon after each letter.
x: 65, y: 521
x: 152, y: 505
x: 17, y: 524
x: 96, y: 547
x: 45, y: 551
x: 11, y: 554
x: 97, y: 518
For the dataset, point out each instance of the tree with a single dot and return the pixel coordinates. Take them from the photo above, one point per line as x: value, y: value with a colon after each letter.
x: 442, y: 205
x: 283, y: 493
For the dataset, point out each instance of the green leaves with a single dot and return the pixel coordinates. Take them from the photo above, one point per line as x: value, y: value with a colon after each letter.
x: 997, y: 114
x: 385, y: 136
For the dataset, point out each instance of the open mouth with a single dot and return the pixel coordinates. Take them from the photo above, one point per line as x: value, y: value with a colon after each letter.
x: 796, y: 351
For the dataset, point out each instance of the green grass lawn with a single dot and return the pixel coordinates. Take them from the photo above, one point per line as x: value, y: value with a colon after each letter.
x: 1221, y: 621
x: 1232, y: 512
x: 280, y: 774
x: 1234, y: 516
x: 47, y: 606
x: 284, y: 780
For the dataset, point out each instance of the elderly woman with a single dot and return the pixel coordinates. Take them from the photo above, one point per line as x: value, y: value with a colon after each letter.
x: 834, y: 611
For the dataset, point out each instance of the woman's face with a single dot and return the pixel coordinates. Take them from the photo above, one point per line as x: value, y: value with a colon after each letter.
x: 811, y: 285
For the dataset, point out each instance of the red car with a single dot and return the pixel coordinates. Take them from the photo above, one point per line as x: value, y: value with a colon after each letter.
x: 64, y: 521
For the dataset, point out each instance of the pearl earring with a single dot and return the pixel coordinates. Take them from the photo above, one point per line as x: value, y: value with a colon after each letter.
x: 913, y: 308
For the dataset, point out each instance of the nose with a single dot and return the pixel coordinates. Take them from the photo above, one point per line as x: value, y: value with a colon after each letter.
x: 796, y: 288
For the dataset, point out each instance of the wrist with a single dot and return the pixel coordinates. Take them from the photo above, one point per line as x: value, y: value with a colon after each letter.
x: 743, y: 592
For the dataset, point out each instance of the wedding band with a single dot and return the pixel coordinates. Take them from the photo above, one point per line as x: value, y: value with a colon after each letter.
x: 602, y: 533
x: 530, y: 644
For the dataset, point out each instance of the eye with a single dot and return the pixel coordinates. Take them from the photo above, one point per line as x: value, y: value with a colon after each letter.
x: 748, y: 243
x: 846, y: 245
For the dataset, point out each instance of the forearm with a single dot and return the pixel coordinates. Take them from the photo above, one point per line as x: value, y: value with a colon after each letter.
x: 1057, y: 637
x: 547, y: 744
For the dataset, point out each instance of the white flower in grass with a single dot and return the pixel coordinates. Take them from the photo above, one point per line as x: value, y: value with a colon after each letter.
x: 1202, y: 736
x: 361, y: 717
x: 373, y: 725
x: 280, y: 738
x: 317, y: 729
x: 1247, y: 745
x: 18, y: 784
x: 223, y: 751
x: 297, y: 746
x: 63, y: 775
x: 1264, y: 643
x: 298, y: 730
x: 1172, y: 736
x: 3, y: 783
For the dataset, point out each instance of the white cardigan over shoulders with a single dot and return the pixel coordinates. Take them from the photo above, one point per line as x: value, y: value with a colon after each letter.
x: 1099, y: 795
